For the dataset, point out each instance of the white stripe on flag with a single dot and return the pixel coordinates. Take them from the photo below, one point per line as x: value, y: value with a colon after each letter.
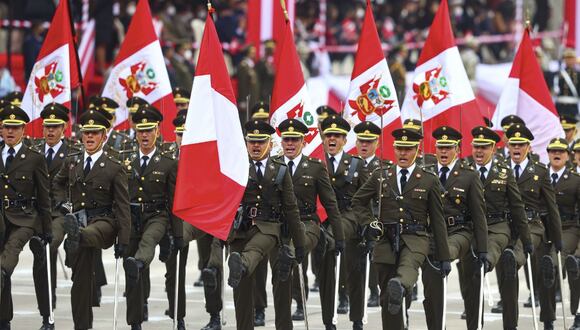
x: 87, y: 46
x: 266, y: 19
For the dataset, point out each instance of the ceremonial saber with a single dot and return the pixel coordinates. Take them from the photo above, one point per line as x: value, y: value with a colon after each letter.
x: 62, y: 264
x: 490, y: 301
x: 303, y: 292
x: 365, y: 319
x: 223, y: 314
x: 176, y: 291
x: 562, y: 289
x: 529, y: 267
x: 443, y: 318
x: 49, y: 278
x: 336, y: 285
x: 480, y: 305
x: 115, y: 302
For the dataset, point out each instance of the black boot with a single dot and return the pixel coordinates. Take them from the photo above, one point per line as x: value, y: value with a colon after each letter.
x: 342, y: 304
x: 373, y: 298
x: 572, y: 267
x: 209, y: 279
x: 395, y: 292
x: 549, y: 325
x: 4, y: 325
x: 237, y: 269
x: 498, y: 308
x: 509, y: 263
x: 576, y: 325
x: 46, y: 324
x: 259, y: 317
x: 146, y: 312
x: 36, y: 245
x: 136, y: 326
x: 528, y: 304
x: 357, y: 325
x: 330, y: 327
x: 548, y: 271
x: 215, y: 322
x: 298, y: 314
x: 73, y: 232
x: 133, y: 268
x: 180, y: 324
x: 199, y: 282
x: 463, y: 315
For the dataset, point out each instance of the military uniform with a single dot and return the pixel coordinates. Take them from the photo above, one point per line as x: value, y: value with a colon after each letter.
x: 409, y: 215
x: 543, y: 220
x: 567, y: 87
x: 502, y: 198
x: 464, y: 210
x: 267, y: 203
x: 310, y: 180
x: 26, y: 205
x: 53, y: 115
x: 99, y: 199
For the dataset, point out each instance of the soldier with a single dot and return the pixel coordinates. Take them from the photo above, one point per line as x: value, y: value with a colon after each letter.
x: 576, y: 159
x: 26, y: 202
x: 367, y: 141
x: 422, y: 158
x: 115, y: 139
x: 261, y: 111
x: 265, y: 70
x: 567, y: 188
x: 347, y: 176
x: 132, y: 105
x: 181, y: 98
x: 506, y: 122
x: 151, y: 187
x: 569, y: 125
x: 410, y: 203
x: 310, y: 180
x: 463, y: 207
x: 93, y: 186
x: 538, y: 196
x: 268, y: 202
x: 55, y: 148
x: 248, y: 82
x: 567, y: 85
x: 502, y: 198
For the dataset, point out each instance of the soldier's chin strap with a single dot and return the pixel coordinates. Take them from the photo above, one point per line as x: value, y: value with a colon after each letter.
x: 527, y: 150
x: 100, y: 146
x: 416, y: 154
x: 266, y: 150
x: 488, y: 159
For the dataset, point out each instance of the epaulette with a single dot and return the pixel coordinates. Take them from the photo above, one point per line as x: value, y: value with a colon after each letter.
x: 114, y: 160
x: 169, y: 154
x: 466, y: 166
x: 314, y: 160
x: 33, y: 149
x: 278, y: 161
x: 278, y: 157
x: 74, y: 154
x: 540, y: 164
x: 427, y: 170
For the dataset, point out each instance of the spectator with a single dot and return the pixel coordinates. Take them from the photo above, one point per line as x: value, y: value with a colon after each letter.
x: 31, y: 48
x: 248, y: 84
x: 181, y: 63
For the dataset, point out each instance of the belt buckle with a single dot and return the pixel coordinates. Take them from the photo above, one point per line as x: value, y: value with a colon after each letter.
x: 451, y: 221
x: 253, y: 212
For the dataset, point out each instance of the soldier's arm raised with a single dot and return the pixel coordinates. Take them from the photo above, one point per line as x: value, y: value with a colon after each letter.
x: 121, y: 208
x: 328, y: 200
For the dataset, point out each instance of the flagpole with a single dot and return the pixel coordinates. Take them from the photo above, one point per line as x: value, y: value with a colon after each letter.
x: 283, y: 4
x: 78, y: 66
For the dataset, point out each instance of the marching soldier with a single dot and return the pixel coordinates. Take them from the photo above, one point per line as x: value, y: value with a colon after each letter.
x: 346, y: 176
x: 422, y: 158
x: 181, y: 98
x: 506, y: 221
x: 26, y: 201
x: 410, y: 208
x: 367, y: 141
x: 133, y: 105
x: 464, y: 211
x: 115, y: 139
x: 567, y: 85
x: 506, y: 122
x: 569, y: 125
x: 151, y: 187
x: 538, y: 196
x: 268, y: 206
x: 310, y: 180
x: 93, y: 189
x: 55, y: 148
x: 567, y: 188
x: 261, y: 111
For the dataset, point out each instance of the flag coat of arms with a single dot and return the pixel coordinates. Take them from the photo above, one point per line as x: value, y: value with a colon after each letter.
x: 526, y: 95
x: 372, y: 94
x: 55, y: 72
x: 213, y: 163
x: 441, y: 93
x: 139, y: 70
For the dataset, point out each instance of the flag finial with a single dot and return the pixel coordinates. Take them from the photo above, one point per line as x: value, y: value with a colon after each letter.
x: 210, y: 9
x: 283, y: 4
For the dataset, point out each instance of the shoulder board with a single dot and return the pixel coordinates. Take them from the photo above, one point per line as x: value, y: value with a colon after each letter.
x: 467, y: 167
x: 114, y: 160
x: 427, y: 170
x: 278, y: 161
x: 74, y: 154
x: 353, y: 156
x: 278, y: 158
x: 314, y: 160
x: 33, y: 149
x: 169, y: 155
x: 575, y: 173
x: 541, y: 165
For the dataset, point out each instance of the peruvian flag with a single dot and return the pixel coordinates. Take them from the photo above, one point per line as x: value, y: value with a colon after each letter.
x: 372, y: 95
x: 440, y: 93
x: 526, y: 94
x: 290, y: 97
x: 139, y: 70
x: 55, y: 72
x: 266, y: 21
x: 572, y: 20
x: 213, y: 162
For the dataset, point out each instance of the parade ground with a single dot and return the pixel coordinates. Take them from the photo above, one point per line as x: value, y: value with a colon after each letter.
x: 26, y: 315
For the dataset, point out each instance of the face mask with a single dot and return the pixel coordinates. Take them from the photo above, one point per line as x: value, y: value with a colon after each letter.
x: 170, y: 10
x: 188, y: 54
x: 360, y: 13
x: 131, y: 9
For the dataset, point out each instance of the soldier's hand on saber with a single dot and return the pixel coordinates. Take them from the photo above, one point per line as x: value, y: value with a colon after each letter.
x: 299, y: 254
x: 445, y: 268
x: 120, y: 250
x: 46, y: 237
x: 338, y: 247
x: 484, y: 261
x: 178, y: 243
x: 529, y: 249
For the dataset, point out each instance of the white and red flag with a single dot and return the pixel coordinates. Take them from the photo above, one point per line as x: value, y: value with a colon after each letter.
x: 290, y: 98
x: 213, y: 161
x: 572, y: 21
x: 372, y: 94
x: 266, y: 21
x: 139, y: 70
x: 441, y: 93
x: 526, y: 95
x: 55, y: 72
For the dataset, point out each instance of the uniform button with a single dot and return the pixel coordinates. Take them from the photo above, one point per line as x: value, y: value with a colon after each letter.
x: 5, y: 186
x: 139, y: 199
x: 140, y: 188
x: 49, y: 175
x: 82, y: 194
x: 142, y: 178
x: 260, y: 186
x: 333, y: 179
x: 401, y: 197
x: 258, y: 197
x: 401, y: 209
x: 306, y: 183
x: 82, y: 203
x: 401, y: 220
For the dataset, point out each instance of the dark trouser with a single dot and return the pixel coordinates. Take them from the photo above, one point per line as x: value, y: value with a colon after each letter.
x: 253, y: 249
x: 142, y: 247
x: 100, y: 276
x: 96, y: 236
x: 170, y: 281
x: 39, y: 269
x: 15, y: 239
x: 355, y: 264
x: 571, y: 238
x: 547, y: 295
x: 407, y: 272
x: 260, y: 279
x: 459, y: 246
x: 326, y: 275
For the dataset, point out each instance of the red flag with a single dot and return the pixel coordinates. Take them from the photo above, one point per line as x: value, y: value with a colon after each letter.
x: 266, y: 21
x: 441, y: 93
x: 526, y: 94
x: 213, y: 164
x: 372, y: 94
x: 139, y: 70
x: 55, y: 72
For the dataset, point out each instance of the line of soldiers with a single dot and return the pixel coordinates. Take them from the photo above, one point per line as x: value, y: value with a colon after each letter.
x: 496, y: 209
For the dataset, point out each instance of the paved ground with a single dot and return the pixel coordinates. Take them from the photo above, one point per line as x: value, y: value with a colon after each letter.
x: 26, y: 315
